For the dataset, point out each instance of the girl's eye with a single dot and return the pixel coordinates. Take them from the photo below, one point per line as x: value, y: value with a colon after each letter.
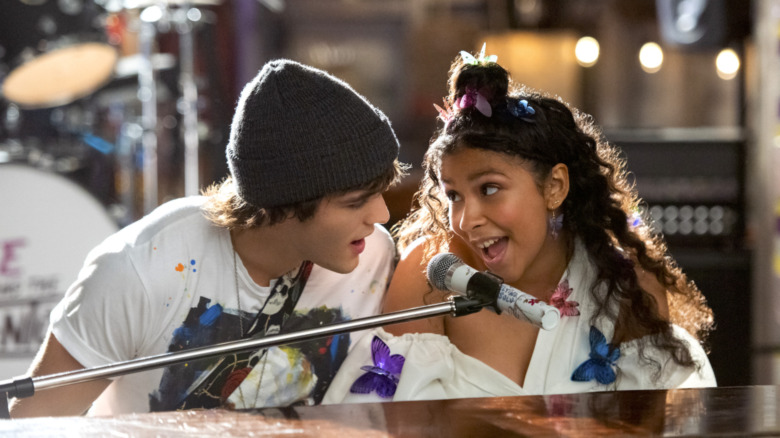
x: 489, y: 190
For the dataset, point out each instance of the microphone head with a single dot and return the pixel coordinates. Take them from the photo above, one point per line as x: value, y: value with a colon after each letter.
x: 438, y: 267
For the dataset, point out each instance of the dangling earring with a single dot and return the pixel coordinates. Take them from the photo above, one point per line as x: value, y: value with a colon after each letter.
x: 554, y: 224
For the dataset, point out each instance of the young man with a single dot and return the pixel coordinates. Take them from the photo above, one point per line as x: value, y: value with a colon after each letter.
x: 287, y: 242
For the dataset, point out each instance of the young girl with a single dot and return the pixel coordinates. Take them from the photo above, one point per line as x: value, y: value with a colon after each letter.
x: 519, y: 185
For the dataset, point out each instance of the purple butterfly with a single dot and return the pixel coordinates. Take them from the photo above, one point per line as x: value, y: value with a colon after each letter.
x: 555, y: 224
x: 384, y: 375
x: 602, y: 357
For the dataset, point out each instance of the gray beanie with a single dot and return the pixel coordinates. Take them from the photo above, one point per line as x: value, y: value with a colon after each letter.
x: 299, y: 133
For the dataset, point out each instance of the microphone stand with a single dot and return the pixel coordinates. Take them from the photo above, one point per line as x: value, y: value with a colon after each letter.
x: 26, y: 386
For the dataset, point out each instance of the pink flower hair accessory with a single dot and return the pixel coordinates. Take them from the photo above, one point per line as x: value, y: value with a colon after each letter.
x: 474, y: 98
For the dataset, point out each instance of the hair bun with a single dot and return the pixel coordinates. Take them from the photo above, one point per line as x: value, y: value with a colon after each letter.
x: 483, y: 74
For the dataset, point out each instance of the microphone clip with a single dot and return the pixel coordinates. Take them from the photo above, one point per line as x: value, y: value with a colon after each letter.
x: 484, y: 287
x: 462, y: 306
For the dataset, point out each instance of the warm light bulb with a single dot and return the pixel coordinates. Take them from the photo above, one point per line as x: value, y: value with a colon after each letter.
x: 587, y: 51
x: 651, y: 57
x: 727, y: 64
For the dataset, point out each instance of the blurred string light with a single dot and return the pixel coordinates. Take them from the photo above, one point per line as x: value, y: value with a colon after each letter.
x: 727, y: 64
x: 651, y: 57
x: 152, y: 14
x: 587, y: 51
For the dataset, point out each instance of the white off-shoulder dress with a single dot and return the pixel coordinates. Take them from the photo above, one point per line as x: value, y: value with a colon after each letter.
x: 433, y: 368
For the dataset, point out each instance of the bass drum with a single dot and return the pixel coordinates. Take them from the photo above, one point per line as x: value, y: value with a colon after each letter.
x: 48, y: 224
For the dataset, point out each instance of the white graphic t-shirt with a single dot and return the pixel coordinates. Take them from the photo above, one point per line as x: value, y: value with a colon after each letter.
x: 167, y: 283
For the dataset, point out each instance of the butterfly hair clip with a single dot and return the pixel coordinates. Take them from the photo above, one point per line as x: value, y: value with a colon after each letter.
x: 558, y: 299
x: 602, y: 358
x: 384, y: 375
x: 468, y: 58
x: 522, y: 110
x: 445, y: 114
x: 474, y: 98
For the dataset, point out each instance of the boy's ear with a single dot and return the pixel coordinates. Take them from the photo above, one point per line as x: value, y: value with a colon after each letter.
x: 557, y: 186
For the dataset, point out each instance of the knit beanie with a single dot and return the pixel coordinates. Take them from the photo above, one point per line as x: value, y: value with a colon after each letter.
x: 299, y: 133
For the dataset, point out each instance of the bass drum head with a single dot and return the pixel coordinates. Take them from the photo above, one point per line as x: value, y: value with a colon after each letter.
x: 48, y: 225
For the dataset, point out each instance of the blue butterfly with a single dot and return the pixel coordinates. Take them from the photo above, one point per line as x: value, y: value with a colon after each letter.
x: 522, y: 110
x: 602, y: 358
x: 384, y: 375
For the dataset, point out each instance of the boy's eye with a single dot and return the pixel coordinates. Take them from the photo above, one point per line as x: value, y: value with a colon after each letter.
x: 453, y: 196
x: 357, y: 202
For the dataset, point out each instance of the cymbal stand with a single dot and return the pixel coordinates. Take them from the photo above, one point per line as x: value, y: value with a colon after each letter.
x: 147, y: 93
x: 188, y: 106
x: 183, y: 20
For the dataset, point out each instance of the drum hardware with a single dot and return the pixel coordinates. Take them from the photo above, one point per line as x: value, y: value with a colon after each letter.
x: 11, y: 151
x: 189, y: 102
x: 128, y: 152
x: 147, y: 93
x: 97, y: 143
x: 54, y: 147
x: 182, y: 17
x: 143, y: 4
x: 53, y: 139
x: 129, y: 66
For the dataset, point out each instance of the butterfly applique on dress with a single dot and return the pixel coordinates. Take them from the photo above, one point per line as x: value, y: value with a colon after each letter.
x: 384, y: 375
x: 558, y: 299
x: 602, y: 358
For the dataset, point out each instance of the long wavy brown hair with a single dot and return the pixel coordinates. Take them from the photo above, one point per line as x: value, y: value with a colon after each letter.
x: 601, y: 210
x: 225, y: 208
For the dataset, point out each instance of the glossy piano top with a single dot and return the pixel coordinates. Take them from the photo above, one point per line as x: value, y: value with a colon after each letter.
x: 735, y: 411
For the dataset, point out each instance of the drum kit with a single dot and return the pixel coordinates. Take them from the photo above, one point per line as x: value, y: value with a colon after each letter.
x: 81, y: 91
x: 81, y: 76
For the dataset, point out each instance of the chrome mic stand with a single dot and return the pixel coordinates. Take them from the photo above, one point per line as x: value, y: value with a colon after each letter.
x: 22, y: 387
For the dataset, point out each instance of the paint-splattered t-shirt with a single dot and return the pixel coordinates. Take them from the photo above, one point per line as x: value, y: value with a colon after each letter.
x: 166, y: 283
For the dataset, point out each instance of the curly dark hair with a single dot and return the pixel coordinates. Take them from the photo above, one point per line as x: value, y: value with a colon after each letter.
x: 599, y: 211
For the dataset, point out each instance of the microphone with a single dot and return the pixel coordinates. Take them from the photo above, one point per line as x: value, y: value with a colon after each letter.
x: 448, y: 272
